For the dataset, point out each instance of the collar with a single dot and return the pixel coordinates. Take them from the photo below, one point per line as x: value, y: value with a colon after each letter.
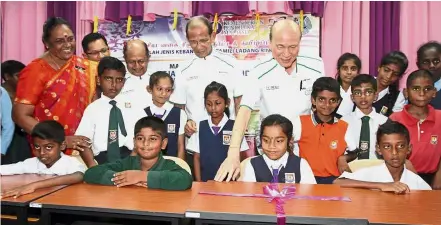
x: 157, y: 165
x: 346, y: 92
x: 316, y: 120
x: 412, y: 120
x: 295, y: 70
x: 133, y: 77
x: 106, y: 99
x: 165, y: 108
x: 438, y: 85
x: 278, y: 163
x: 403, y: 175
x: 221, y: 123
x: 212, y: 54
x: 359, y: 114
x: 58, y: 165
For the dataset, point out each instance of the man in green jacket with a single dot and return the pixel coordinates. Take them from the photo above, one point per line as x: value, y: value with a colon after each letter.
x: 147, y: 168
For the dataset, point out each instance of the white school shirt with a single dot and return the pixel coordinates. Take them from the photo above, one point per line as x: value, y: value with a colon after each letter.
x: 307, y: 176
x: 274, y: 91
x: 346, y: 105
x: 399, y: 103
x: 135, y: 90
x: 95, y: 123
x: 354, y: 128
x: 198, y: 74
x: 63, y: 166
x: 193, y: 141
x: 381, y: 174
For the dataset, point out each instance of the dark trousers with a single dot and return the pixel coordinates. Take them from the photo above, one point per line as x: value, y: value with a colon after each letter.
x: 189, y: 159
x: 428, y: 177
x: 102, y: 157
x: 325, y: 180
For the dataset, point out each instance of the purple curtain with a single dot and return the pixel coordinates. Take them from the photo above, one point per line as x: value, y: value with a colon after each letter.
x: 384, y: 31
x: 210, y: 7
x: 65, y: 10
x: 315, y: 8
x: 117, y: 10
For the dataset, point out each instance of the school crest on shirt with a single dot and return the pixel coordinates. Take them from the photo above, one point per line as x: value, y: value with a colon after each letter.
x: 333, y: 144
x: 112, y: 135
x: 171, y: 128
x: 226, y: 138
x: 128, y: 105
x: 364, y: 145
x: 384, y: 110
x: 434, y: 139
x: 290, y: 178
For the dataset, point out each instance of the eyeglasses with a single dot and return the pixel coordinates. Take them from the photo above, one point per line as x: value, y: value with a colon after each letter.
x: 102, y: 51
x: 194, y: 43
x: 367, y: 93
x: 134, y: 62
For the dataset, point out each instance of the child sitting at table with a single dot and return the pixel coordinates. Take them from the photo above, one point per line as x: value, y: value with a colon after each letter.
x: 393, y: 144
x: 278, y: 164
x: 48, y: 142
x: 147, y: 167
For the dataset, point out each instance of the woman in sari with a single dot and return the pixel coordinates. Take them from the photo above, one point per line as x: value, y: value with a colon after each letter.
x: 57, y: 86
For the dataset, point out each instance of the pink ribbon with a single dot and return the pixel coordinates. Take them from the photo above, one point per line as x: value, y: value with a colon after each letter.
x: 272, y: 193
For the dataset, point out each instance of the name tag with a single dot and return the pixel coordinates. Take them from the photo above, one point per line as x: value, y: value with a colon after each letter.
x: 226, y: 138
x: 171, y: 128
x: 227, y: 132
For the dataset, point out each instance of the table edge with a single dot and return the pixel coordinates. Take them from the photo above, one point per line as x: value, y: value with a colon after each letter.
x: 26, y: 203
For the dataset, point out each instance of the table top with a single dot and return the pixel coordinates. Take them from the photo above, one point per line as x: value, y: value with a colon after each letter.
x: 8, y: 182
x: 129, y: 200
x: 422, y: 207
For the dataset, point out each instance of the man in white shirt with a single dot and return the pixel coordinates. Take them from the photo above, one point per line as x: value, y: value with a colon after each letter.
x: 137, y: 56
x: 281, y: 84
x: 393, y: 144
x: 207, y: 65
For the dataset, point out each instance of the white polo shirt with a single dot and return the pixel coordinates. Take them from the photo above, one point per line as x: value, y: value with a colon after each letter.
x: 198, y: 74
x: 95, y: 123
x: 277, y: 92
x: 346, y: 105
x: 354, y: 128
x: 63, y: 166
x: 306, y: 175
x: 381, y: 174
x: 135, y: 90
x: 193, y: 141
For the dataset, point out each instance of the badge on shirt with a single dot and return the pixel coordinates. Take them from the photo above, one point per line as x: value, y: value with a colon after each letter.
x: 171, y: 128
x: 384, y: 110
x: 333, y: 144
x: 364, y: 145
x: 434, y: 139
x: 112, y: 135
x: 226, y: 139
x: 128, y: 105
x: 290, y: 178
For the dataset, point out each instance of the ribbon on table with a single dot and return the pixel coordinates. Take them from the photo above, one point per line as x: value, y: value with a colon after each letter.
x: 272, y: 193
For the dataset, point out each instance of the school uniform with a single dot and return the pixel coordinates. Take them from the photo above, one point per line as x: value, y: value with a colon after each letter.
x: 381, y: 174
x: 212, y: 143
x: 436, y: 102
x: 425, y: 139
x: 63, y: 166
x: 175, y: 120
x: 289, y: 169
x: 165, y: 173
x: 387, y: 102
x: 272, y: 90
x: 362, y: 131
x: 135, y: 91
x: 198, y: 74
x: 95, y: 125
x: 346, y: 105
x: 320, y: 143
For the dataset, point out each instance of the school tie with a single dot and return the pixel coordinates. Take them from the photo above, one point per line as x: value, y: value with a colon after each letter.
x: 216, y: 130
x: 159, y: 115
x: 364, y: 144
x: 115, y: 120
x: 275, y: 176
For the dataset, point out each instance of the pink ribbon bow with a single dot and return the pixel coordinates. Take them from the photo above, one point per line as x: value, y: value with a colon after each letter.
x: 272, y: 193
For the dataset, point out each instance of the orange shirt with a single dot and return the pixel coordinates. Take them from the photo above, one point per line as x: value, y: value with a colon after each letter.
x: 321, y: 144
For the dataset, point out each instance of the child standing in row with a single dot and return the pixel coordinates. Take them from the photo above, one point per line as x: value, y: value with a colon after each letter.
x: 277, y: 164
x: 348, y: 67
x: 424, y: 125
x: 429, y: 58
x: 211, y: 141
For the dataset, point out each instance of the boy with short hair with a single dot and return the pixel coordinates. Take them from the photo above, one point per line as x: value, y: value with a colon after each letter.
x: 393, y: 144
x: 106, y: 121
x: 320, y: 136
x: 48, y: 143
x: 363, y: 122
x: 147, y: 167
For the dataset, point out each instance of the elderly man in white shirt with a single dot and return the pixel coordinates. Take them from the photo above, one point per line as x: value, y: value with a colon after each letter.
x: 281, y: 84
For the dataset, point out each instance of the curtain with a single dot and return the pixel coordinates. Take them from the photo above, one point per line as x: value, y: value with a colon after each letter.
x: 219, y: 7
x: 316, y: 8
x: 86, y: 10
x: 165, y: 8
x: 63, y: 9
x: 117, y: 10
x: 270, y: 7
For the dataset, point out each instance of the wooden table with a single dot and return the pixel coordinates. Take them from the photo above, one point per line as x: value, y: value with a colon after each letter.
x: 112, y: 202
x: 20, y: 204
x: 367, y: 206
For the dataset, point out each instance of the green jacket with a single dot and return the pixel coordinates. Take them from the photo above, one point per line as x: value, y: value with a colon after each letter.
x: 165, y: 174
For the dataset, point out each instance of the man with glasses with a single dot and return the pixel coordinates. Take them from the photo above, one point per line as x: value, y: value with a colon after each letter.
x: 95, y: 47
